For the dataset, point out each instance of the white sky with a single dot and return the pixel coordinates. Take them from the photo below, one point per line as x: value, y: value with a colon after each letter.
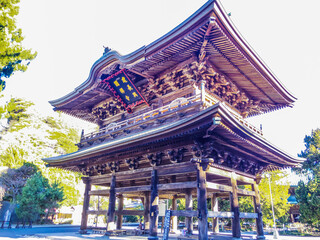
x: 69, y: 36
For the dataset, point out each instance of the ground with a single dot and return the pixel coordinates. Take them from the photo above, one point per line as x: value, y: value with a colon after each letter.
x: 70, y: 232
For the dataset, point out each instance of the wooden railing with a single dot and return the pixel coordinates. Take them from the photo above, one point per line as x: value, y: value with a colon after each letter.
x: 174, y: 106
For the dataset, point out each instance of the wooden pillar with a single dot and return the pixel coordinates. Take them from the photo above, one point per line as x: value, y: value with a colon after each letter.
x: 85, y: 207
x: 234, y: 202
x: 154, y: 205
x: 257, y: 209
x: 146, y: 205
x: 202, y: 204
x: 112, y: 204
x: 174, y: 225
x: 189, y: 206
x: 120, y: 208
x: 214, y: 207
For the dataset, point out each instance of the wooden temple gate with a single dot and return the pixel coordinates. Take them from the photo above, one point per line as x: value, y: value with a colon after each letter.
x: 172, y: 124
x: 202, y: 176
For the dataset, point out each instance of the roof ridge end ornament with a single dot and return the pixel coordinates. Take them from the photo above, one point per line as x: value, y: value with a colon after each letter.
x: 106, y: 50
x: 202, y: 53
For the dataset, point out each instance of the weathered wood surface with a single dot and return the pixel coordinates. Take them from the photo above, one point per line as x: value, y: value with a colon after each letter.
x: 245, y: 192
x: 171, y: 169
x: 248, y: 215
x: 216, y: 170
x: 214, y: 208
x: 184, y: 213
x: 234, y: 202
x: 129, y: 212
x: 120, y: 210
x: 174, y: 219
x: 214, y: 214
x: 220, y: 187
x: 101, y: 192
x: 202, y: 203
x: 257, y: 208
x: 85, y: 207
x: 133, y: 189
x: 146, y: 213
x: 154, y: 204
x: 112, y: 205
x: 178, y: 185
x: 166, y: 186
x: 189, y: 206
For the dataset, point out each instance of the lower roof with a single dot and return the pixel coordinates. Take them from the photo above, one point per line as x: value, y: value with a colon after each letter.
x: 235, y: 135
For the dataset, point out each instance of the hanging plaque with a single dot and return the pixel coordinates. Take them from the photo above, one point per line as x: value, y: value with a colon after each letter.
x: 124, y: 90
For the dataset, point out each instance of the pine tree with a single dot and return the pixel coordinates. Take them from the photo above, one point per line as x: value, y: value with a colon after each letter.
x: 308, y: 193
x: 38, y: 198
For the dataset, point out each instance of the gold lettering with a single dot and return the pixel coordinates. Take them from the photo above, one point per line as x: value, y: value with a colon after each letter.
x: 135, y: 94
x: 124, y: 80
x: 129, y: 87
x: 116, y: 83
x: 127, y: 97
x: 121, y: 90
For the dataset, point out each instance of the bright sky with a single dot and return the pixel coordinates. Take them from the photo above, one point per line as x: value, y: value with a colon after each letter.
x: 69, y: 37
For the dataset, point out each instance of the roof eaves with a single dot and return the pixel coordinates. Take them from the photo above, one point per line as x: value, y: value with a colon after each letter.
x: 252, y: 56
x: 244, y: 132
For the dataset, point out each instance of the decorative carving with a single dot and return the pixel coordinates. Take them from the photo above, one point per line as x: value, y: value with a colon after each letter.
x: 108, y: 109
x: 133, y: 163
x: 216, y: 83
x: 101, y: 168
x: 114, y: 166
x: 127, y: 131
x: 208, y: 150
x: 203, y: 163
x: 94, y: 170
x: 155, y: 159
x: 176, y: 156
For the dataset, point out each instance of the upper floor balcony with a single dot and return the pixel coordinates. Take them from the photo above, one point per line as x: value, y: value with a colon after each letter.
x: 178, y: 108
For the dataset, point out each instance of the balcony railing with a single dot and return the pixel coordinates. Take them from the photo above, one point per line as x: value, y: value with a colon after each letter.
x: 172, y: 107
x: 206, y: 100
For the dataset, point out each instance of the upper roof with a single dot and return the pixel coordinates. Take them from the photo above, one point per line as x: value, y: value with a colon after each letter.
x: 208, y: 31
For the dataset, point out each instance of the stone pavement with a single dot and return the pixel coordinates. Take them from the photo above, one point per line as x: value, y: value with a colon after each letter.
x: 70, y: 232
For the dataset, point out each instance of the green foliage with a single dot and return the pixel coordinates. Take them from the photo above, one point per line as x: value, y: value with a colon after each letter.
x: 15, y: 111
x: 13, y: 56
x: 307, y: 194
x: 246, y: 205
x: 29, y: 137
x: 65, y: 139
x: 309, y: 201
x: 53, y: 123
x: 38, y: 197
x: 13, y: 157
x: 311, y: 166
x: 280, y: 194
x: 15, y: 179
x: 69, y: 182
